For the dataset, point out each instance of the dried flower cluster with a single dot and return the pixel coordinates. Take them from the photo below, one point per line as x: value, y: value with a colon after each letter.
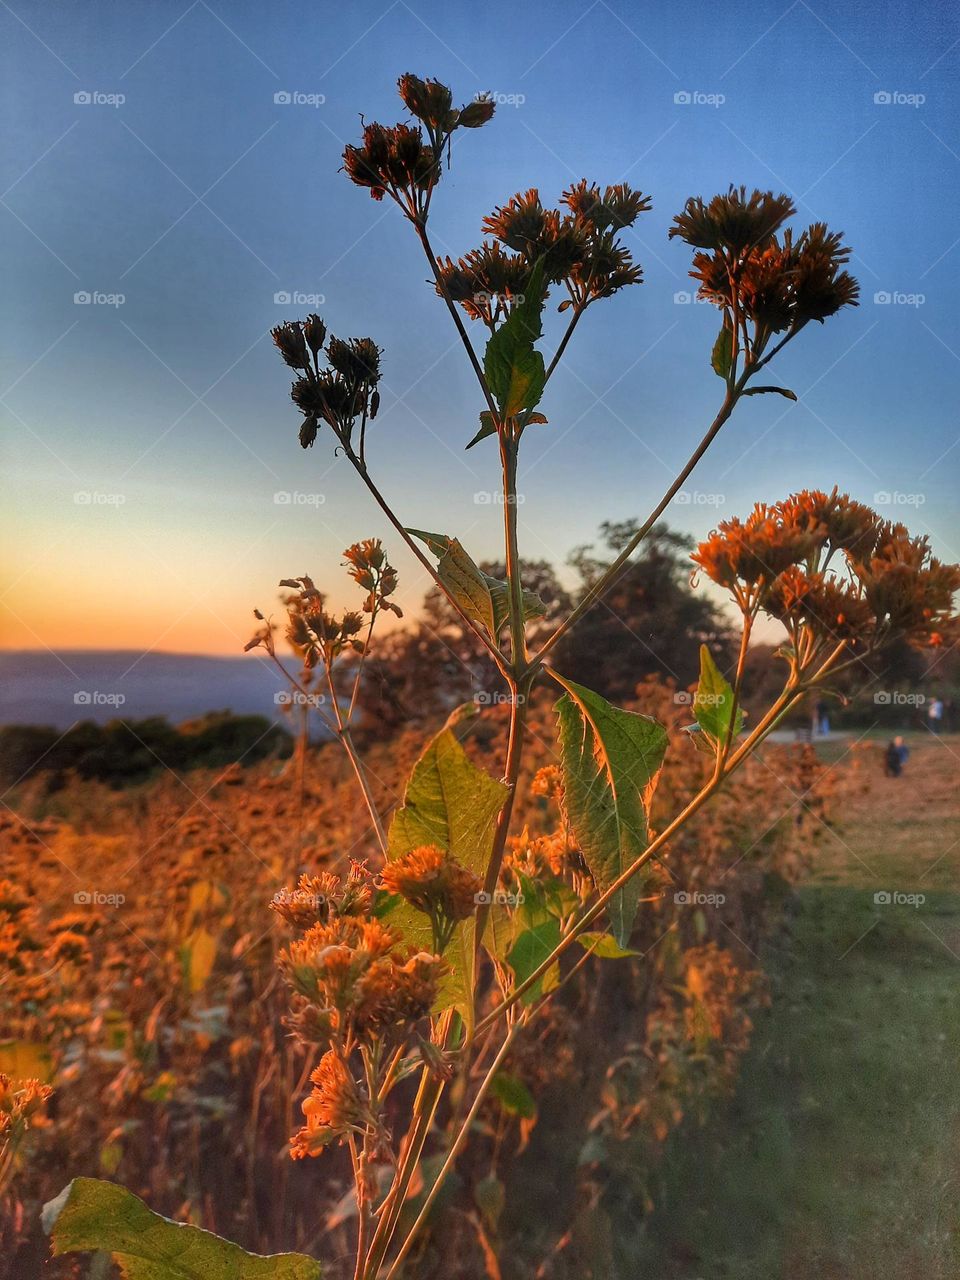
x: 766, y: 283
x: 436, y: 884
x: 339, y: 394
x: 400, y: 161
x: 578, y: 249
x: 885, y: 586
x: 357, y: 992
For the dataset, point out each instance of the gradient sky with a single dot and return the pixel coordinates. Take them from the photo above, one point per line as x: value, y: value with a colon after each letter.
x: 199, y: 198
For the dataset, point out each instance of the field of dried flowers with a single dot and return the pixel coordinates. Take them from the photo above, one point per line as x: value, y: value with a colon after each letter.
x: 139, y: 979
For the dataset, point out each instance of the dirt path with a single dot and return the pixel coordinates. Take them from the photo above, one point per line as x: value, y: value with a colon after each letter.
x: 839, y: 1157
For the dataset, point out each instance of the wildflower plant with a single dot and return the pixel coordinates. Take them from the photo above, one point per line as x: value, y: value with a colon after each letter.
x: 415, y: 979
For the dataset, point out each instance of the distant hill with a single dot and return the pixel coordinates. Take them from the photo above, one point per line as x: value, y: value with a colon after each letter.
x: 41, y: 688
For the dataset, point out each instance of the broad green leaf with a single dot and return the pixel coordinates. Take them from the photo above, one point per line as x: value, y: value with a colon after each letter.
x: 763, y: 391
x: 722, y: 356
x: 90, y: 1215
x: 532, y: 947
x: 513, y: 367
x: 26, y: 1060
x: 713, y: 701
x: 513, y: 1095
x: 450, y: 803
x: 611, y: 762
x: 601, y: 944
x: 460, y: 575
x: 484, y: 599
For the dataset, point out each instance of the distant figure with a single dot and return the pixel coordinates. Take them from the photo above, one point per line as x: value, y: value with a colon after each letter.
x: 822, y: 713
x: 895, y: 757
x: 935, y: 715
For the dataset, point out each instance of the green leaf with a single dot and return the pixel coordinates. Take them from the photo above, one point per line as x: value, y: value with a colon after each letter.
x: 450, y: 803
x: 533, y: 606
x: 762, y: 391
x: 491, y: 1197
x: 512, y: 365
x: 713, y: 701
x: 487, y: 428
x: 513, y: 1095
x: 611, y: 762
x: 532, y: 947
x: 721, y: 358
x: 484, y: 599
x: 91, y: 1215
x: 601, y: 944
x: 462, y: 578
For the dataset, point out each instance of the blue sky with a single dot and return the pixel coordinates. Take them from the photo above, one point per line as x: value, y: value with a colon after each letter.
x: 198, y: 198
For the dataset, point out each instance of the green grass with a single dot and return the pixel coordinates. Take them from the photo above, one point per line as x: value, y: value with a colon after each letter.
x: 839, y: 1155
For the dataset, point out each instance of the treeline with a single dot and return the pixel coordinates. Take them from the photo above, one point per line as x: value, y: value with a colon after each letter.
x: 128, y: 751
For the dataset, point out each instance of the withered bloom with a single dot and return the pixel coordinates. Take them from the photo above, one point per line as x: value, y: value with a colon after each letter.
x: 434, y: 883
x: 333, y: 1109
